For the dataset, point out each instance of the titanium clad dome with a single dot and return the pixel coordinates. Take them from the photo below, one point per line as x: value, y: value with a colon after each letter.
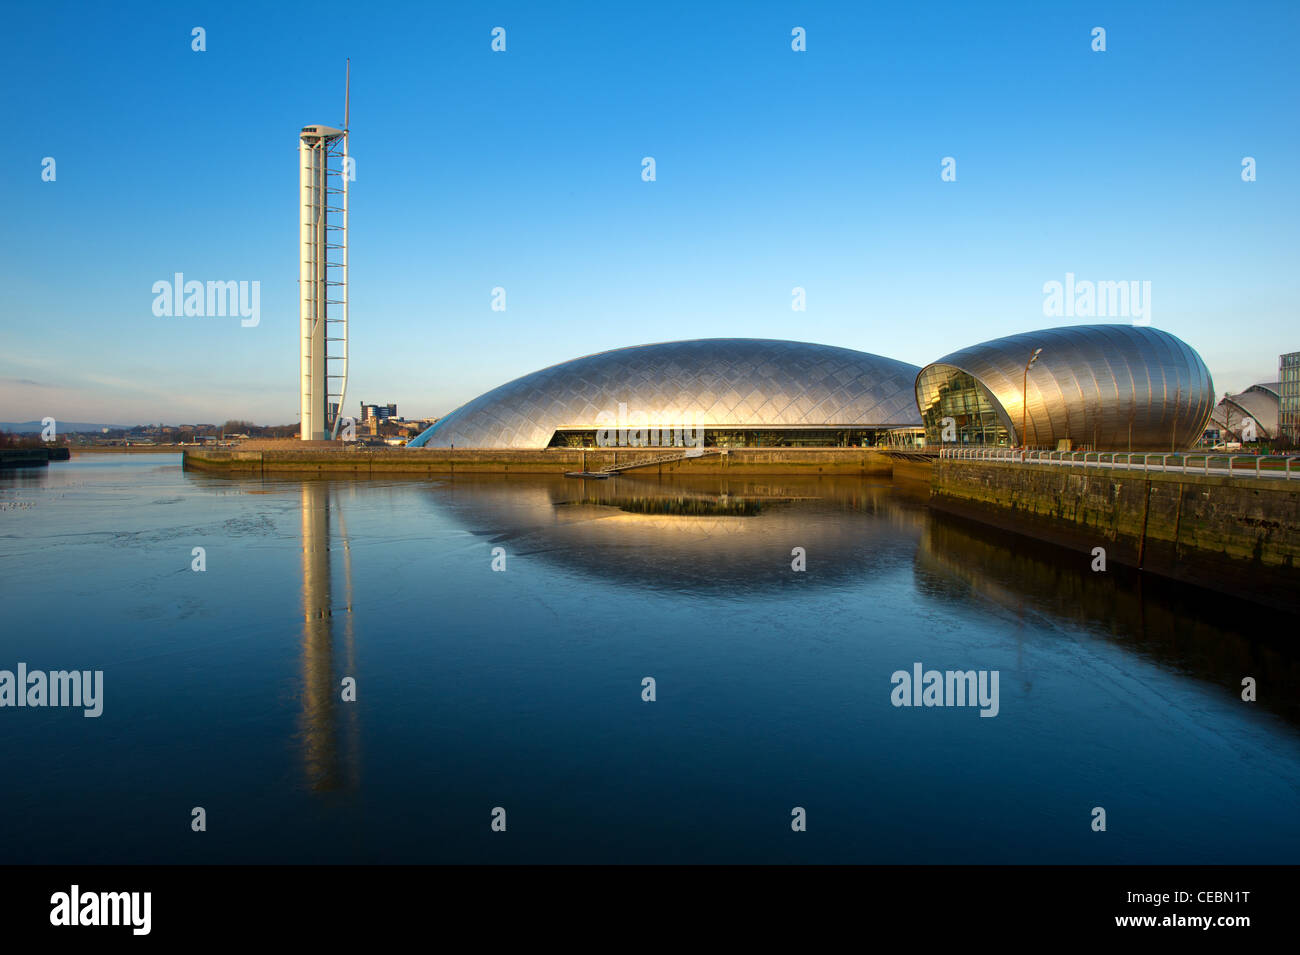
x: 1104, y: 387
x: 708, y: 383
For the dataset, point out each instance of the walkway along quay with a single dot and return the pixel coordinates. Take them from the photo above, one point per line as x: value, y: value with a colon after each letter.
x: 1230, y: 523
x: 338, y: 460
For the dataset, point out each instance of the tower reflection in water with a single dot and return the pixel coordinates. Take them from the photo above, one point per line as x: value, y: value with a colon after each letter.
x: 328, y: 731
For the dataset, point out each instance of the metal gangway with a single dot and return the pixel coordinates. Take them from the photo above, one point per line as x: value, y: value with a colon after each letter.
x: 681, y: 455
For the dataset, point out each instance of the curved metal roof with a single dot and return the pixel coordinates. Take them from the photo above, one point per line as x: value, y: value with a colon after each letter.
x: 1103, y: 386
x: 708, y: 382
x: 1273, y: 388
x: 1260, y: 402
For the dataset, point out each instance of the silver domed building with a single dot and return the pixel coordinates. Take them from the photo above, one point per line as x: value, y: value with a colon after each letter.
x: 731, y: 391
x: 1261, y: 404
x: 1101, y: 387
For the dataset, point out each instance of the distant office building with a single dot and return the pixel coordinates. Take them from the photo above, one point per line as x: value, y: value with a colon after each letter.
x: 379, y: 412
x: 1289, y: 395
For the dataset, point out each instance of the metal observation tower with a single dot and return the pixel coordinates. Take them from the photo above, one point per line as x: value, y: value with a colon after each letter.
x: 323, y: 174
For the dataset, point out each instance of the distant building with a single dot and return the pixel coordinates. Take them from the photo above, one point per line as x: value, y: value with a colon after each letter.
x: 1289, y: 388
x: 379, y: 412
x: 1254, y: 411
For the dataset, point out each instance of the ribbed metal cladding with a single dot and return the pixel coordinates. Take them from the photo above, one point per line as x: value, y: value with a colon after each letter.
x: 1108, y: 387
x: 709, y: 383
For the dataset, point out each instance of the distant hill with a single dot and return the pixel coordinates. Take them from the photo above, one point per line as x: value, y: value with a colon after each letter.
x: 60, y: 427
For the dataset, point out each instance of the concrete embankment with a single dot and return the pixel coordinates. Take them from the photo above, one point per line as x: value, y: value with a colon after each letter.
x: 1239, y: 536
x: 364, y: 462
x: 31, y: 457
x: 130, y: 448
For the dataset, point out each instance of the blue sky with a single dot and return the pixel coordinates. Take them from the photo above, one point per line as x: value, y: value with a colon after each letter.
x: 522, y: 169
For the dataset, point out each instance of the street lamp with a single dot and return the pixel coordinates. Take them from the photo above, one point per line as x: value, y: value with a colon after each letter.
x: 1024, y: 402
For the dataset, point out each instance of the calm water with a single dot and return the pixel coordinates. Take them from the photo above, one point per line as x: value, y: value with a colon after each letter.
x: 522, y: 689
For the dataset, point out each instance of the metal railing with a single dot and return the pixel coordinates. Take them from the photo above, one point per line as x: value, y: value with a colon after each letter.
x: 1276, y: 466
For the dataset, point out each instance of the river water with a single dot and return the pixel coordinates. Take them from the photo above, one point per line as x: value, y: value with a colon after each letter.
x: 521, y: 688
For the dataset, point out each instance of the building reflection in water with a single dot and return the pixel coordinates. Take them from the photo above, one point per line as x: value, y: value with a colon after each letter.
x: 698, y: 536
x: 328, y: 730
x: 1193, y: 632
x: 706, y: 535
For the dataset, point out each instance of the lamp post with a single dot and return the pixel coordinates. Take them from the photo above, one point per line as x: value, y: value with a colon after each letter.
x: 1024, y: 402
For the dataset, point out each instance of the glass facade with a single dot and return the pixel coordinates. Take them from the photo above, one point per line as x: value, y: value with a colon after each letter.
x: 732, y: 437
x: 1289, y: 416
x: 947, y: 392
